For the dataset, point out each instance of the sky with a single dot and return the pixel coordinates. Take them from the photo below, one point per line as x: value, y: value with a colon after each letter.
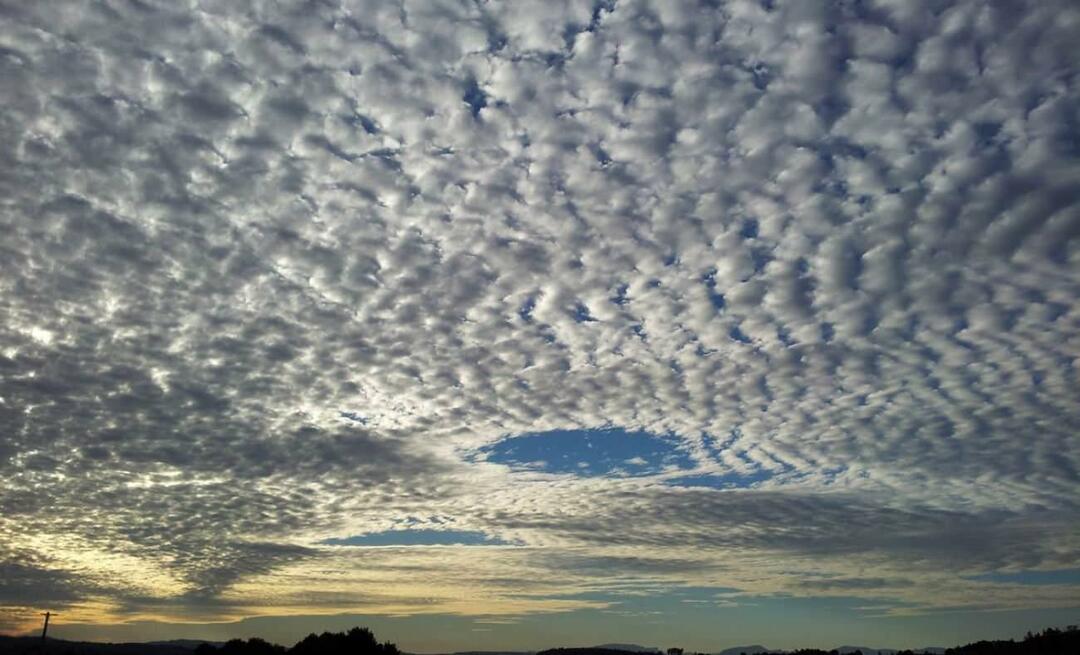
x: 527, y: 324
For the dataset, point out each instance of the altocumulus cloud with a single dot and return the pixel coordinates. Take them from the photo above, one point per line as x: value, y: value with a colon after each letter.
x: 276, y: 274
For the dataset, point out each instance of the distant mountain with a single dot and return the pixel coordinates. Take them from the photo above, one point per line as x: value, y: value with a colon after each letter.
x: 190, y: 644
x: 583, y: 651
x: 866, y: 650
x: 630, y: 648
x: 33, y: 646
x: 756, y: 649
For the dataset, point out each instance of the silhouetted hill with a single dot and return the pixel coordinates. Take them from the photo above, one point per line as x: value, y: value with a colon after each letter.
x: 1049, y: 642
x: 582, y: 651
x: 34, y: 646
x: 629, y: 648
x: 756, y: 649
x: 866, y: 650
x: 190, y: 644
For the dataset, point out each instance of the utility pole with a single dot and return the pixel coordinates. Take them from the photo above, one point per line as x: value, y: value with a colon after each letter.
x: 45, y: 630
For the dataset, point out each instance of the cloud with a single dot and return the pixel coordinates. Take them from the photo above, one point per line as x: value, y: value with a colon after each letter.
x: 854, y: 584
x: 419, y: 537
x: 271, y: 274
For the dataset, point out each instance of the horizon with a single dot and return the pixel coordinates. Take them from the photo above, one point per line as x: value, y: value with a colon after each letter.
x: 489, y: 323
x: 627, y: 646
x: 532, y: 634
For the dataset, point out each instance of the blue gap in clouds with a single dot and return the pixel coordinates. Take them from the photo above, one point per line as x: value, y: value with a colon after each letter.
x: 1056, y: 576
x: 589, y: 453
x: 738, y: 335
x: 526, y: 309
x: 423, y: 537
x: 582, y: 315
x: 620, y: 298
x: 715, y: 297
x: 475, y: 97
x: 721, y: 481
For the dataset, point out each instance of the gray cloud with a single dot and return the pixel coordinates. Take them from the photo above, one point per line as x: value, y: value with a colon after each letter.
x: 854, y: 584
x: 270, y: 269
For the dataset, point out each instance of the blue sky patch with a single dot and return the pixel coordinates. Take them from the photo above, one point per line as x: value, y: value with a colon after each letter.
x: 590, y: 453
x: 475, y: 97
x: 423, y: 537
x: 1052, y: 577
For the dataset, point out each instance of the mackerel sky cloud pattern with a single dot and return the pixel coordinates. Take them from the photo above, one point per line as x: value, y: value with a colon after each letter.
x: 276, y: 274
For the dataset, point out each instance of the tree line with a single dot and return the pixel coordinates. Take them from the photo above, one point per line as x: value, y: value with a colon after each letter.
x: 358, y: 641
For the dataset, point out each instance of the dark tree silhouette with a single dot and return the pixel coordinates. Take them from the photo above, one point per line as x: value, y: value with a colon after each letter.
x: 1051, y: 641
x: 358, y: 641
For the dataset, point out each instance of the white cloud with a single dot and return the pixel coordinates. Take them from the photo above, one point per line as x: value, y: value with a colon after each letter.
x: 228, y: 223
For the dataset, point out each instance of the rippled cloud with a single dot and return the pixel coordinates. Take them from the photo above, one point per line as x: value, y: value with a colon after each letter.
x: 279, y: 275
